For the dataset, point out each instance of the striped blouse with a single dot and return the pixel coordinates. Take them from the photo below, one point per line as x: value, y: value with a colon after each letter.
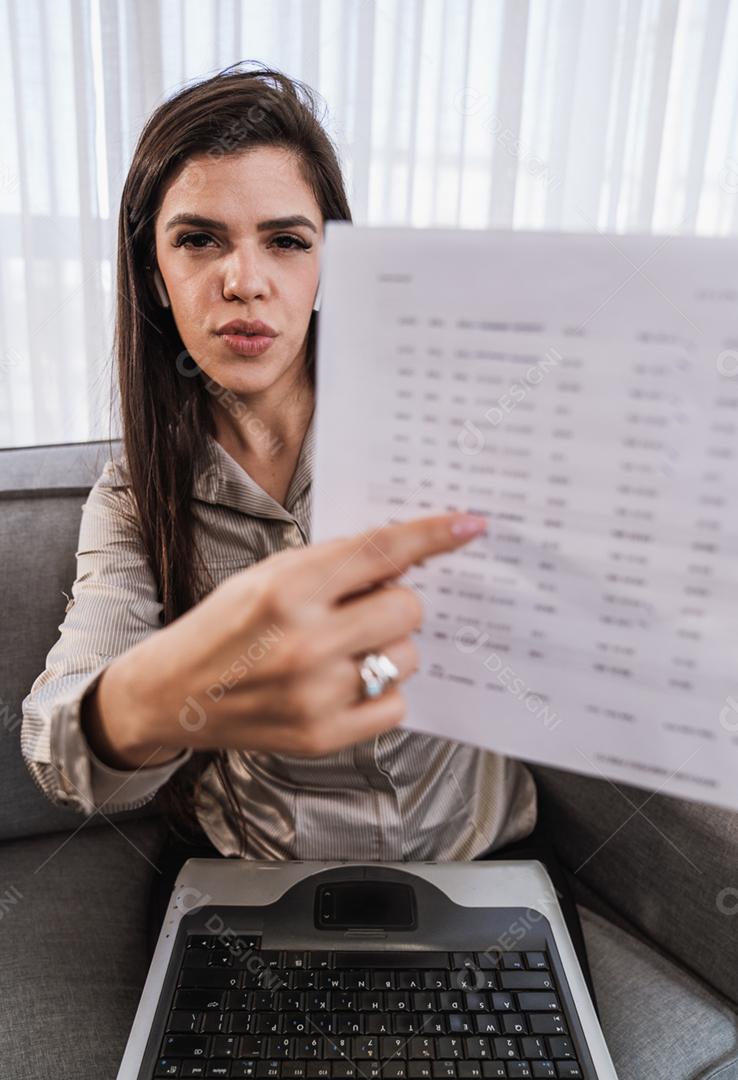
x: 401, y: 795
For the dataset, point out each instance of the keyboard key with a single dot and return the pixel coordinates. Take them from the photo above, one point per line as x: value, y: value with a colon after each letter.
x: 337, y: 1048
x: 318, y: 1070
x: 434, y: 1024
x: 392, y: 1046
x: 559, y: 1047
x: 214, y: 978
x: 514, y: 1024
x: 409, y: 980
x: 421, y: 1047
x: 536, y: 961
x: 503, y: 1002
x: 371, y: 1001
x: 489, y: 960
x: 534, y: 1002
x: 547, y: 1024
x: 365, y: 1046
x: 183, y: 1022
x: 216, y: 1067
x: 271, y: 958
x: 266, y: 1023
x: 309, y: 1048
x: 533, y: 1048
x: 420, y: 1070
x: 469, y: 1070
x: 397, y: 959
x: 445, y: 1070
x: 477, y: 1002
x: 461, y: 1024
x: 397, y: 1001
x: 464, y: 959
x: 518, y: 1069
x: 450, y: 1047
x: 543, y: 1070
x: 451, y: 1001
x: 405, y: 1023
x: 395, y: 1069
x: 294, y: 959
x: 244, y: 1069
x: 506, y: 1048
x: 199, y: 941
x: 250, y: 1046
x: 526, y: 980
x: 477, y: 1047
x: 214, y: 1023
x: 568, y: 1069
x: 494, y: 1069
x: 512, y: 961
x: 194, y: 1068
x: 319, y: 959
x: 196, y: 958
x: 487, y: 1024
x: 166, y: 1067
x: 202, y: 999
x: 370, y: 1070
x: 185, y: 1046
x: 424, y: 1001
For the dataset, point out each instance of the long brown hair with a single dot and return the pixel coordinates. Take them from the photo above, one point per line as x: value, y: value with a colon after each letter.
x: 166, y: 417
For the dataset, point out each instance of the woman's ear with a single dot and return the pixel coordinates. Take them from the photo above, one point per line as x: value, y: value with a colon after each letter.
x: 161, y: 288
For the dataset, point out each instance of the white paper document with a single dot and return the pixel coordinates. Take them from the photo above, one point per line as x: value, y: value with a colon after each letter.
x: 580, y: 391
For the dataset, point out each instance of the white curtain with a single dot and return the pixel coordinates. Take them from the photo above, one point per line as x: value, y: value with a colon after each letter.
x: 617, y: 115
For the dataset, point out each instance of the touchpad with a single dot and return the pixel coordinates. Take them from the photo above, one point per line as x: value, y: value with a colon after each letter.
x: 343, y: 905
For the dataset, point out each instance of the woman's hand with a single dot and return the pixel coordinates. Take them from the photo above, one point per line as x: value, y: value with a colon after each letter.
x: 270, y: 659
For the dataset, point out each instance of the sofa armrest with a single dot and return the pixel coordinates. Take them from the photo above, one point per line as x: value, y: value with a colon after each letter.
x: 668, y: 866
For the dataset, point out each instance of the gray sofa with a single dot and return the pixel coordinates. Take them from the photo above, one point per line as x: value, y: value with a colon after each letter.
x: 656, y: 879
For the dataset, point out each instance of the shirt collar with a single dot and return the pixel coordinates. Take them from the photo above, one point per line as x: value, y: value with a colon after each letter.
x: 223, y: 481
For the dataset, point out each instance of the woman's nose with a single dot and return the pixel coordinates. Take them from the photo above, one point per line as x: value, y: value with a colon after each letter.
x: 244, y: 275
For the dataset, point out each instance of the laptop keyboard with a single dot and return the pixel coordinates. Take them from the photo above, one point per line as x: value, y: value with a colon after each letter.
x: 240, y: 1011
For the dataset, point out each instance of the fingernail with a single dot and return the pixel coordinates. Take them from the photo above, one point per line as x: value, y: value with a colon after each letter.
x: 468, y: 525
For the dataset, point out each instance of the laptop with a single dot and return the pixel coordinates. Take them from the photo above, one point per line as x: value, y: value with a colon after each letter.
x: 414, y: 970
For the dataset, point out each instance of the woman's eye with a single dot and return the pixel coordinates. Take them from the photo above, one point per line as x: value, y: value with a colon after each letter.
x: 188, y: 238
x: 294, y: 242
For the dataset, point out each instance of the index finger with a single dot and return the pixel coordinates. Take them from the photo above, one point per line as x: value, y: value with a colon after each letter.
x: 346, y: 566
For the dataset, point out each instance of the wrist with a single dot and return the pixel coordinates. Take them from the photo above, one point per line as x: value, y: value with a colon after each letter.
x: 122, y: 723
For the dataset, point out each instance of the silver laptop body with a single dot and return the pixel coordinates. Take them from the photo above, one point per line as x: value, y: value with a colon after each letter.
x: 274, y: 926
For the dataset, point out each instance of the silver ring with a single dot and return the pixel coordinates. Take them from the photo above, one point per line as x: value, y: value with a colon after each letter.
x: 377, y: 673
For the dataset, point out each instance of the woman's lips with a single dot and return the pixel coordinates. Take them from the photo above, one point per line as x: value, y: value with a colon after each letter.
x: 247, y: 346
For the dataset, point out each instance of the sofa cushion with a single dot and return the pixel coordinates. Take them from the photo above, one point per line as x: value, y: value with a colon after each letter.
x: 75, y: 948
x: 667, y: 866
x: 659, y: 1021
x: 42, y: 490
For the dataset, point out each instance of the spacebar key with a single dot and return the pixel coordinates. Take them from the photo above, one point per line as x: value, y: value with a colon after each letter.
x: 390, y: 959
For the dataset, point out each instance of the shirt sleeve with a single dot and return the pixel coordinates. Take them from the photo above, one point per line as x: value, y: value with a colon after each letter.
x: 114, y: 605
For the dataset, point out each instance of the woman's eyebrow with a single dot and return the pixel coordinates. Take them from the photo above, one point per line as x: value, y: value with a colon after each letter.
x: 210, y: 223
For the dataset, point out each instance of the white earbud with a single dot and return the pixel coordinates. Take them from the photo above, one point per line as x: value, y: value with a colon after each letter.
x: 161, y: 288
x: 316, y: 305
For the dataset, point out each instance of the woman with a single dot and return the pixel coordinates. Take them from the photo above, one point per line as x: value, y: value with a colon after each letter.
x: 244, y: 710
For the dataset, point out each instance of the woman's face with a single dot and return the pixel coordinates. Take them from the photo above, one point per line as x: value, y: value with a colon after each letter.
x: 252, y: 265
